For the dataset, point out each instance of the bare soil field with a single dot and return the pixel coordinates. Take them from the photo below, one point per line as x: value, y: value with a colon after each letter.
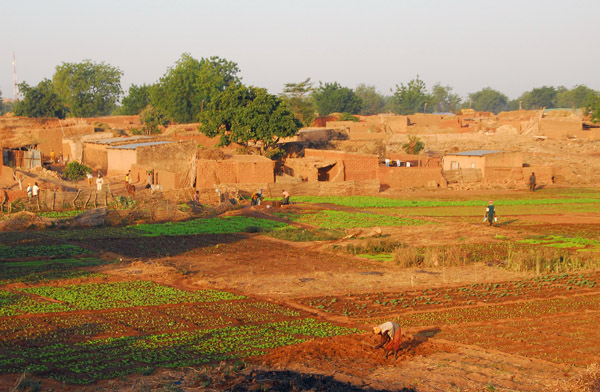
x: 250, y: 310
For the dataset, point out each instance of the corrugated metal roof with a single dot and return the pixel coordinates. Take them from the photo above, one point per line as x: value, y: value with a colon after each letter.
x: 477, y: 153
x: 136, y: 145
x: 119, y: 139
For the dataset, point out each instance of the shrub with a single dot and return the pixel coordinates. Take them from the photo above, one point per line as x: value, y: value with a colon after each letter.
x: 75, y: 171
x: 347, y: 117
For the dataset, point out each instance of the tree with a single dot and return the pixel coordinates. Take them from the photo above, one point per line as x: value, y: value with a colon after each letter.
x: 488, y: 100
x: 152, y: 118
x: 333, y: 98
x: 538, y: 98
x: 442, y: 99
x: 410, y: 99
x: 88, y: 89
x: 372, y: 101
x: 75, y: 171
x: 575, y: 98
x: 248, y: 114
x: 136, y: 100
x: 297, y: 97
x: 414, y: 145
x: 40, y: 101
x: 592, y: 107
x: 185, y: 89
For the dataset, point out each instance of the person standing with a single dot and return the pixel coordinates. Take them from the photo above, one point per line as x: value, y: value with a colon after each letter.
x: 532, y: 182
x: 99, y: 182
x: 490, y: 213
x: 52, y: 155
x: 35, y: 191
x: 128, y: 177
x: 89, y: 178
x: 29, y: 191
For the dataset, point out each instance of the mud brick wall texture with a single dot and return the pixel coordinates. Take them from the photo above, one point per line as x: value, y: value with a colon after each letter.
x: 357, y: 167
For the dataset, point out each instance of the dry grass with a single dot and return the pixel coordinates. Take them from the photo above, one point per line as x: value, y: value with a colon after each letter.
x: 588, y: 381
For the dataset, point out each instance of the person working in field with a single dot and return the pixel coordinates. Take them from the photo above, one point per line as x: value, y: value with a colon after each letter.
x: 391, y: 338
x: 286, y: 198
x: 490, y: 213
x: 532, y: 182
x: 256, y: 198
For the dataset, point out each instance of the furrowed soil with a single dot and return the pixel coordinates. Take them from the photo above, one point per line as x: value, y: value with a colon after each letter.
x: 470, y: 325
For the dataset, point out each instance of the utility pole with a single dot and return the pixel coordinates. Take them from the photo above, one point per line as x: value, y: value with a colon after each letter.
x: 16, y: 83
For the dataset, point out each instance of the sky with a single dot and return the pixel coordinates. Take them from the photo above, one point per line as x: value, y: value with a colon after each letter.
x: 511, y: 45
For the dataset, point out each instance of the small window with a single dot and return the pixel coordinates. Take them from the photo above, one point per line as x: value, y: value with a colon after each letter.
x: 454, y: 165
x: 472, y: 165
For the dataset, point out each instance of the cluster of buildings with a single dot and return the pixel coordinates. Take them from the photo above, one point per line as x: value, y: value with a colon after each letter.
x: 174, y: 159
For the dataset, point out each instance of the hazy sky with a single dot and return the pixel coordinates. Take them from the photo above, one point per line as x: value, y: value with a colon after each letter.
x: 509, y: 45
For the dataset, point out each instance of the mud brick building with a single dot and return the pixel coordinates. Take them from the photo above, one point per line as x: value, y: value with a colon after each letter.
x: 237, y: 169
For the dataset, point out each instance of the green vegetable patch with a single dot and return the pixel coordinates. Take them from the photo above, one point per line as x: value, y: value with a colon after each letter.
x: 333, y: 219
x: 226, y: 225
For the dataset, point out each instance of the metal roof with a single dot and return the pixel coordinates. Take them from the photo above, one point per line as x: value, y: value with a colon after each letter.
x: 119, y: 139
x: 477, y: 153
x: 136, y: 145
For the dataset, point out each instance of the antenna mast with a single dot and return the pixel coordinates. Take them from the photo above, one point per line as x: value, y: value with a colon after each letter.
x: 16, y: 84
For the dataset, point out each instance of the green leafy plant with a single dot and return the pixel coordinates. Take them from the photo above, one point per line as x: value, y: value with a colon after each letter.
x: 75, y: 171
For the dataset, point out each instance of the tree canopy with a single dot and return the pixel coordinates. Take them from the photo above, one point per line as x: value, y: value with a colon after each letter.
x: 443, y: 100
x: 40, y: 101
x: 411, y: 98
x: 138, y: 97
x: 488, y: 100
x: 333, y: 98
x: 297, y: 97
x: 538, y: 98
x: 248, y: 114
x: 185, y: 89
x: 372, y: 101
x: 88, y: 89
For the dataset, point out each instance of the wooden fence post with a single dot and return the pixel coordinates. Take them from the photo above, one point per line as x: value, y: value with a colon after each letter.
x: 76, y: 196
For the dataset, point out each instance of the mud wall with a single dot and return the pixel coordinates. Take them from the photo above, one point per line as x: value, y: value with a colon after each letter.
x: 505, y: 159
x: 173, y: 157
x: 234, y: 171
x: 357, y: 167
x: 411, y: 177
x: 463, y: 161
x: 95, y: 156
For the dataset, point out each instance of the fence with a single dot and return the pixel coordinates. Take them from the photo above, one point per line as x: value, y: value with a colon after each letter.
x: 49, y: 200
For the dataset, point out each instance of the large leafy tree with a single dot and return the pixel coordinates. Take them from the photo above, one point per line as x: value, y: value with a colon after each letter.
x: 372, y: 101
x: 185, y: 89
x: 87, y: 88
x: 297, y: 98
x: 248, y: 114
x: 411, y: 98
x: 538, y: 98
x: 592, y: 107
x: 333, y: 98
x: 443, y: 100
x: 40, y: 101
x: 138, y: 97
x: 578, y: 97
x: 153, y: 119
x: 488, y: 100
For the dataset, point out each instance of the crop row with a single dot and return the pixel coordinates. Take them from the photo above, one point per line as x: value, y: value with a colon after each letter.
x: 577, y: 345
x: 380, y: 303
x: 75, y: 326
x: 87, y: 361
x: 225, y: 225
x: 333, y: 219
x: 21, y: 251
x: 39, y: 270
x: 533, y: 309
x: 380, y: 202
x: 94, y: 296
